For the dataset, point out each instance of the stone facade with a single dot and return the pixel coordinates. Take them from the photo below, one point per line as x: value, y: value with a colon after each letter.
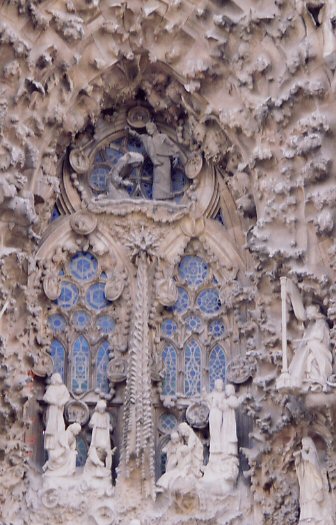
x: 167, y: 296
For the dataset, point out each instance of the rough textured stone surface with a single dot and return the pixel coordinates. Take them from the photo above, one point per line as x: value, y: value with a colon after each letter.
x: 246, y: 90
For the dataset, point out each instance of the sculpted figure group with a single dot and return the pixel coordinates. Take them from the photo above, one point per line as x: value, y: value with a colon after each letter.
x: 185, y: 469
x: 60, y: 442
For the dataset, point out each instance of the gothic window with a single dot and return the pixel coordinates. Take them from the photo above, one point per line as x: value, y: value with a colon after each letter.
x: 81, y: 321
x: 193, y: 329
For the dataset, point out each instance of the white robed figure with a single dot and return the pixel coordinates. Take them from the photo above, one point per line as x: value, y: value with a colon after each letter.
x: 314, y: 497
x: 311, y: 365
x: 56, y: 396
x: 99, y: 461
x: 229, y: 440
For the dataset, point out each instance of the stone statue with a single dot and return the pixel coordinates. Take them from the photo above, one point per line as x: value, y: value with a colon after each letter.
x: 99, y: 461
x: 215, y: 401
x: 312, y: 362
x: 184, y: 461
x: 62, y: 458
x: 222, y: 469
x: 222, y: 419
x: 160, y: 149
x: 117, y: 182
x: 56, y: 396
x: 314, y: 498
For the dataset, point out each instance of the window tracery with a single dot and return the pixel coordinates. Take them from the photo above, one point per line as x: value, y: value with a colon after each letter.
x: 80, y: 321
x: 192, y: 331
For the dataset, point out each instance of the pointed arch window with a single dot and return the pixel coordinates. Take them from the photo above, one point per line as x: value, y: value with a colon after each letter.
x: 195, y: 325
x: 81, y: 321
x: 169, y: 357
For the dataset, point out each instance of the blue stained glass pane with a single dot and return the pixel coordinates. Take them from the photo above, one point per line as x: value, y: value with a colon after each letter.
x: 217, y: 328
x: 57, y: 323
x: 102, y: 361
x: 95, y: 296
x: 98, y: 178
x: 193, y: 323
x: 105, y: 324
x: 208, y: 301
x: 55, y: 214
x: 217, y: 366
x: 179, y: 180
x: 219, y: 217
x: 80, y: 319
x: 168, y: 422
x: 168, y: 327
x: 82, y: 451
x: 192, y: 368
x: 80, y: 365
x: 193, y: 270
x: 84, y: 266
x: 69, y: 295
x: 57, y: 354
x: 183, y: 301
x: 169, y: 358
x: 113, y: 155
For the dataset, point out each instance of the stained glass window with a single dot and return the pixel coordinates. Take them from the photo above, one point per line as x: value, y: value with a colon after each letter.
x: 57, y: 354
x: 208, y: 301
x: 69, y: 295
x: 95, y: 296
x: 82, y: 451
x: 217, y: 328
x: 102, y: 361
x: 57, y: 323
x: 169, y: 358
x: 192, y: 368
x: 80, y: 319
x: 168, y: 327
x: 193, y: 270
x: 183, y: 301
x: 217, y: 366
x: 55, y: 214
x: 80, y: 365
x: 193, y: 323
x: 105, y: 324
x: 98, y: 178
x: 83, y: 266
x: 167, y: 422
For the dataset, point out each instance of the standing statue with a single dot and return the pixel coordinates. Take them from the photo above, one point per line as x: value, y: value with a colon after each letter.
x: 160, y: 149
x: 312, y: 361
x: 222, y: 469
x: 99, y: 460
x: 314, y: 497
x: 56, y: 395
x: 62, y: 458
x: 215, y: 401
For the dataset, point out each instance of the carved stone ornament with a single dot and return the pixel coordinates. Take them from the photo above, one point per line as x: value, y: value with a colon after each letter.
x: 76, y: 412
x: 167, y: 293
x: 83, y: 223
x: 193, y: 166
x: 43, y: 366
x: 114, y: 287
x: 79, y: 161
x: 138, y: 117
x: 239, y: 370
x: 117, y: 370
x: 197, y: 414
x: 52, y: 286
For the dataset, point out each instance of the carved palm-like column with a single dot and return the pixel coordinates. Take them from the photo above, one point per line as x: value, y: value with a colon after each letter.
x: 137, y: 455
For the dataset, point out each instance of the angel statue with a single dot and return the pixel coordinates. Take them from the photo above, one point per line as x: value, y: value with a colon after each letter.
x: 117, y: 178
x: 311, y: 364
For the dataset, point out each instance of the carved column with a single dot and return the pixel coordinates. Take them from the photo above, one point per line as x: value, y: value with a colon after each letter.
x: 138, y: 436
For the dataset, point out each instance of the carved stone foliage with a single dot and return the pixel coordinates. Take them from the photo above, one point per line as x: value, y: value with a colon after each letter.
x: 240, y: 164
